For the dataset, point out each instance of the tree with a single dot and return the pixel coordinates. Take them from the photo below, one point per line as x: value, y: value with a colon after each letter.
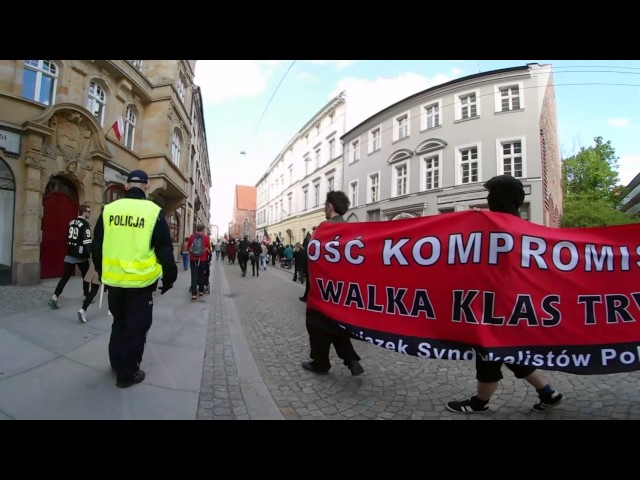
x: 591, y: 193
x: 582, y: 210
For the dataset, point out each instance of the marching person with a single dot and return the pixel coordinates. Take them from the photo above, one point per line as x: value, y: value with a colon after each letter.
x: 132, y: 251
x: 199, y: 247
x: 322, y: 334
x: 506, y: 195
x: 78, y: 253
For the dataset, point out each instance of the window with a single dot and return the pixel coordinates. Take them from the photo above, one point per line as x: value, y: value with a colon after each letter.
x: 114, y: 192
x: 305, y: 198
x: 511, y: 158
x: 330, y: 184
x: 181, y: 87
x: 317, y: 153
x: 375, y: 142
x: 353, y: 193
x: 469, y: 165
x: 401, y: 127
x: 355, y: 151
x: 467, y: 105
x: 316, y: 194
x: 430, y: 172
x: 96, y: 100
x: 39, y: 81
x: 282, y: 210
x: 373, y: 216
x: 508, y: 97
x: 174, y: 227
x: 332, y: 149
x: 129, y: 128
x: 524, y: 211
x: 307, y: 161
x: 400, y: 177
x: 289, y: 203
x: 176, y: 144
x: 373, y: 187
x: 290, y: 174
x: 431, y: 115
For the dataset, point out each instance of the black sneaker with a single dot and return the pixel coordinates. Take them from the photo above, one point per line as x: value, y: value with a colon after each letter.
x: 135, y: 378
x: 549, y: 402
x: 311, y: 366
x: 356, y: 368
x: 465, y: 407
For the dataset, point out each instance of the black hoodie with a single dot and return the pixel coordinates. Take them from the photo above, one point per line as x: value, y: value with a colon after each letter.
x: 506, y: 194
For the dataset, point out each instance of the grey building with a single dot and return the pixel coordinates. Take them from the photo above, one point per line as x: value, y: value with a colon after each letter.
x: 431, y: 152
x: 630, y: 204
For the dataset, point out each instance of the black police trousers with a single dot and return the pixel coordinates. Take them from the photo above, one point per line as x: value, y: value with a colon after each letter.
x: 132, y: 310
x: 324, y: 333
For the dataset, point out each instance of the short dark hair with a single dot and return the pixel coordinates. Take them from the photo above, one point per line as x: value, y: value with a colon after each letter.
x: 83, y: 208
x: 200, y: 227
x: 339, y: 200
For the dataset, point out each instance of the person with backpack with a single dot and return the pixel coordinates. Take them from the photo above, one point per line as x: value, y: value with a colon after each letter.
x: 199, y: 247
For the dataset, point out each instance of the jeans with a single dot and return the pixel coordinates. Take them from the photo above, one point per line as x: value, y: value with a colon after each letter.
x: 185, y: 260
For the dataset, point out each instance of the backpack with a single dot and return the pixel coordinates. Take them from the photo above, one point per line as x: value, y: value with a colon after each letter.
x: 197, y: 247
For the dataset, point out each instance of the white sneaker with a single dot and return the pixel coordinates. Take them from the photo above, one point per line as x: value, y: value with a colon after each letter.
x: 81, y: 316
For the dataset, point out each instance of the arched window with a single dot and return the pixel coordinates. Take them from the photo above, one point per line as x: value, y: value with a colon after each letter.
x: 39, y: 81
x: 176, y: 145
x: 129, y: 128
x: 96, y: 101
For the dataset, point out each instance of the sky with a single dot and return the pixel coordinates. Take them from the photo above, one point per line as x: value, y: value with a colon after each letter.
x: 252, y: 108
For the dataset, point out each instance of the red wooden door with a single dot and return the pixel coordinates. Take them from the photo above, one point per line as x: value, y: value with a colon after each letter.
x: 58, y: 210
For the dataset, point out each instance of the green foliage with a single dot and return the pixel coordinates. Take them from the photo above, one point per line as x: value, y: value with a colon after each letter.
x: 585, y: 211
x: 590, y: 188
x: 592, y: 172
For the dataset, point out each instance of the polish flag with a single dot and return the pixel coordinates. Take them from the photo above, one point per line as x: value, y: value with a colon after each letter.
x: 118, y: 127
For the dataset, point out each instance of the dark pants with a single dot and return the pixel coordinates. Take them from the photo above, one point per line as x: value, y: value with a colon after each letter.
x: 185, y: 260
x: 198, y: 268
x: 255, y: 265
x: 307, y: 287
x: 132, y: 310
x: 69, y: 268
x: 322, y: 334
x: 92, y: 294
x: 242, y: 260
x: 489, y: 372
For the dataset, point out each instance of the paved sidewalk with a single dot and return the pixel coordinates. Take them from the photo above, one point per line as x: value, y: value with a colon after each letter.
x: 54, y: 367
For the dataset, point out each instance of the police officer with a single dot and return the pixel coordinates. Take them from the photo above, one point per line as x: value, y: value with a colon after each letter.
x: 132, y: 251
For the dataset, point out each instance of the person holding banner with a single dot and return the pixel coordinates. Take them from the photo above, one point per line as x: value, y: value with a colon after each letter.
x: 506, y: 195
x: 323, y: 333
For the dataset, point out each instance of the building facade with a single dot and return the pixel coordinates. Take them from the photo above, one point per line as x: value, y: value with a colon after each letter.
x: 70, y: 131
x: 630, y: 204
x: 291, y: 193
x: 431, y: 152
x: 198, y: 205
x: 244, y: 213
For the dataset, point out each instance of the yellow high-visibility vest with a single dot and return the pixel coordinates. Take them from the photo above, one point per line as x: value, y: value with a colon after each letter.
x: 127, y: 257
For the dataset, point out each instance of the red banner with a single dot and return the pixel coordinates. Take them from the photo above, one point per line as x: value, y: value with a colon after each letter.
x: 459, y: 285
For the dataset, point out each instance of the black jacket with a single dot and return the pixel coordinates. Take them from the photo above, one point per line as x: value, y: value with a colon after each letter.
x: 79, y: 238
x: 160, y: 241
